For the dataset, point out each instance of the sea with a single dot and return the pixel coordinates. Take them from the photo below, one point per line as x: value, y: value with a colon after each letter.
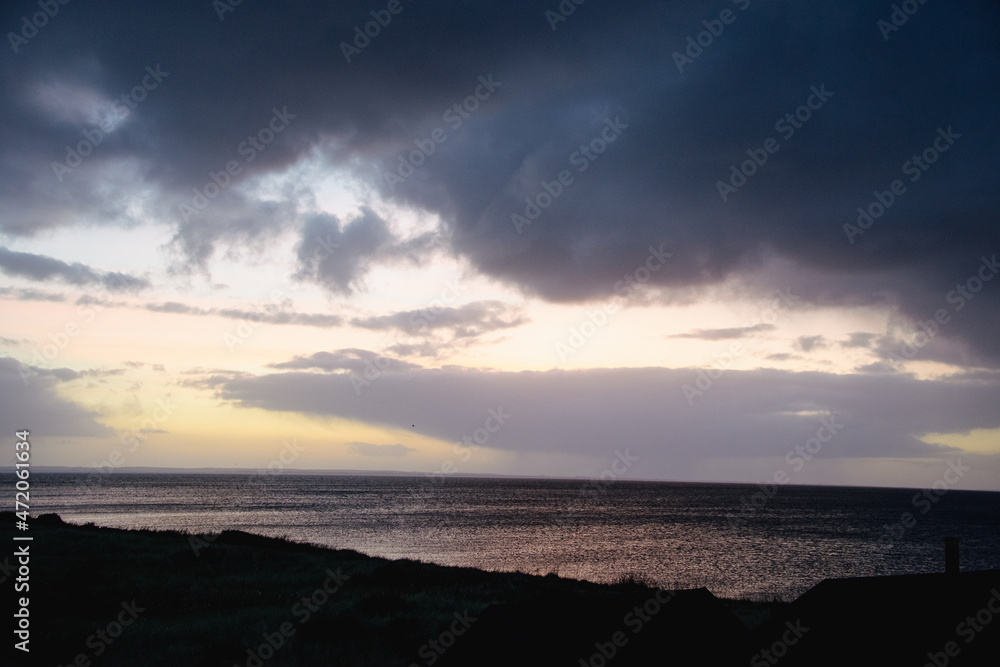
x: 739, y: 541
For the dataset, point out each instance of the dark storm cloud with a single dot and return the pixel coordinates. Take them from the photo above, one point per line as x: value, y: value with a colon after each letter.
x: 41, y: 268
x: 902, y: 344
x: 744, y: 413
x: 35, y: 404
x: 336, y: 257
x: 725, y: 334
x: 514, y: 104
x: 236, y: 220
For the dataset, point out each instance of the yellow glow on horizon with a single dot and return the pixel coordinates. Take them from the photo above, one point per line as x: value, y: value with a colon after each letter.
x: 977, y: 441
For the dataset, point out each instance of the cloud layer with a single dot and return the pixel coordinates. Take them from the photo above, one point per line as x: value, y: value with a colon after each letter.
x: 31, y: 402
x: 591, y: 129
x: 749, y: 414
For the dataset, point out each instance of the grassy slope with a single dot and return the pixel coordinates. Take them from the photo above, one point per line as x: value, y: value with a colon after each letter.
x: 208, y: 609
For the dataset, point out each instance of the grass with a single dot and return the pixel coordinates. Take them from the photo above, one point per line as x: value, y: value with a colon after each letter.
x: 210, y: 607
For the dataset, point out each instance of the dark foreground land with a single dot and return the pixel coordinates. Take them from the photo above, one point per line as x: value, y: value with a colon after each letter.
x: 101, y: 596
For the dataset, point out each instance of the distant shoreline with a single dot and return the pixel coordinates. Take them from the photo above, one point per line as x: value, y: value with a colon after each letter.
x: 312, y: 472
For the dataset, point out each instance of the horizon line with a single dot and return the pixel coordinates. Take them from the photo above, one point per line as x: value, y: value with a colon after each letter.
x: 163, y: 470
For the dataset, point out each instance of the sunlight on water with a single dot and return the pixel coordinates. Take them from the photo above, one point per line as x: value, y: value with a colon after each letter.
x: 676, y: 535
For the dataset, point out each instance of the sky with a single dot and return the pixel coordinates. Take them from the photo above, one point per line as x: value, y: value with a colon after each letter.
x: 732, y: 241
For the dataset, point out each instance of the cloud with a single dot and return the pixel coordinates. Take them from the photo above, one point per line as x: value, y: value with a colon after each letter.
x: 41, y: 268
x: 350, y: 359
x: 337, y: 258
x: 877, y: 367
x: 423, y: 349
x: 31, y: 295
x: 367, y: 449
x: 282, y: 317
x: 35, y: 404
x: 468, y: 321
x: 904, y: 342
x: 236, y: 220
x: 744, y: 414
x: 859, y: 339
x: 809, y: 343
x: 177, y: 308
x: 270, y: 314
x: 725, y: 334
x: 681, y: 133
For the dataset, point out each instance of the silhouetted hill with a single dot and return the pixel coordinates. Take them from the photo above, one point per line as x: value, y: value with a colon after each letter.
x: 103, y: 596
